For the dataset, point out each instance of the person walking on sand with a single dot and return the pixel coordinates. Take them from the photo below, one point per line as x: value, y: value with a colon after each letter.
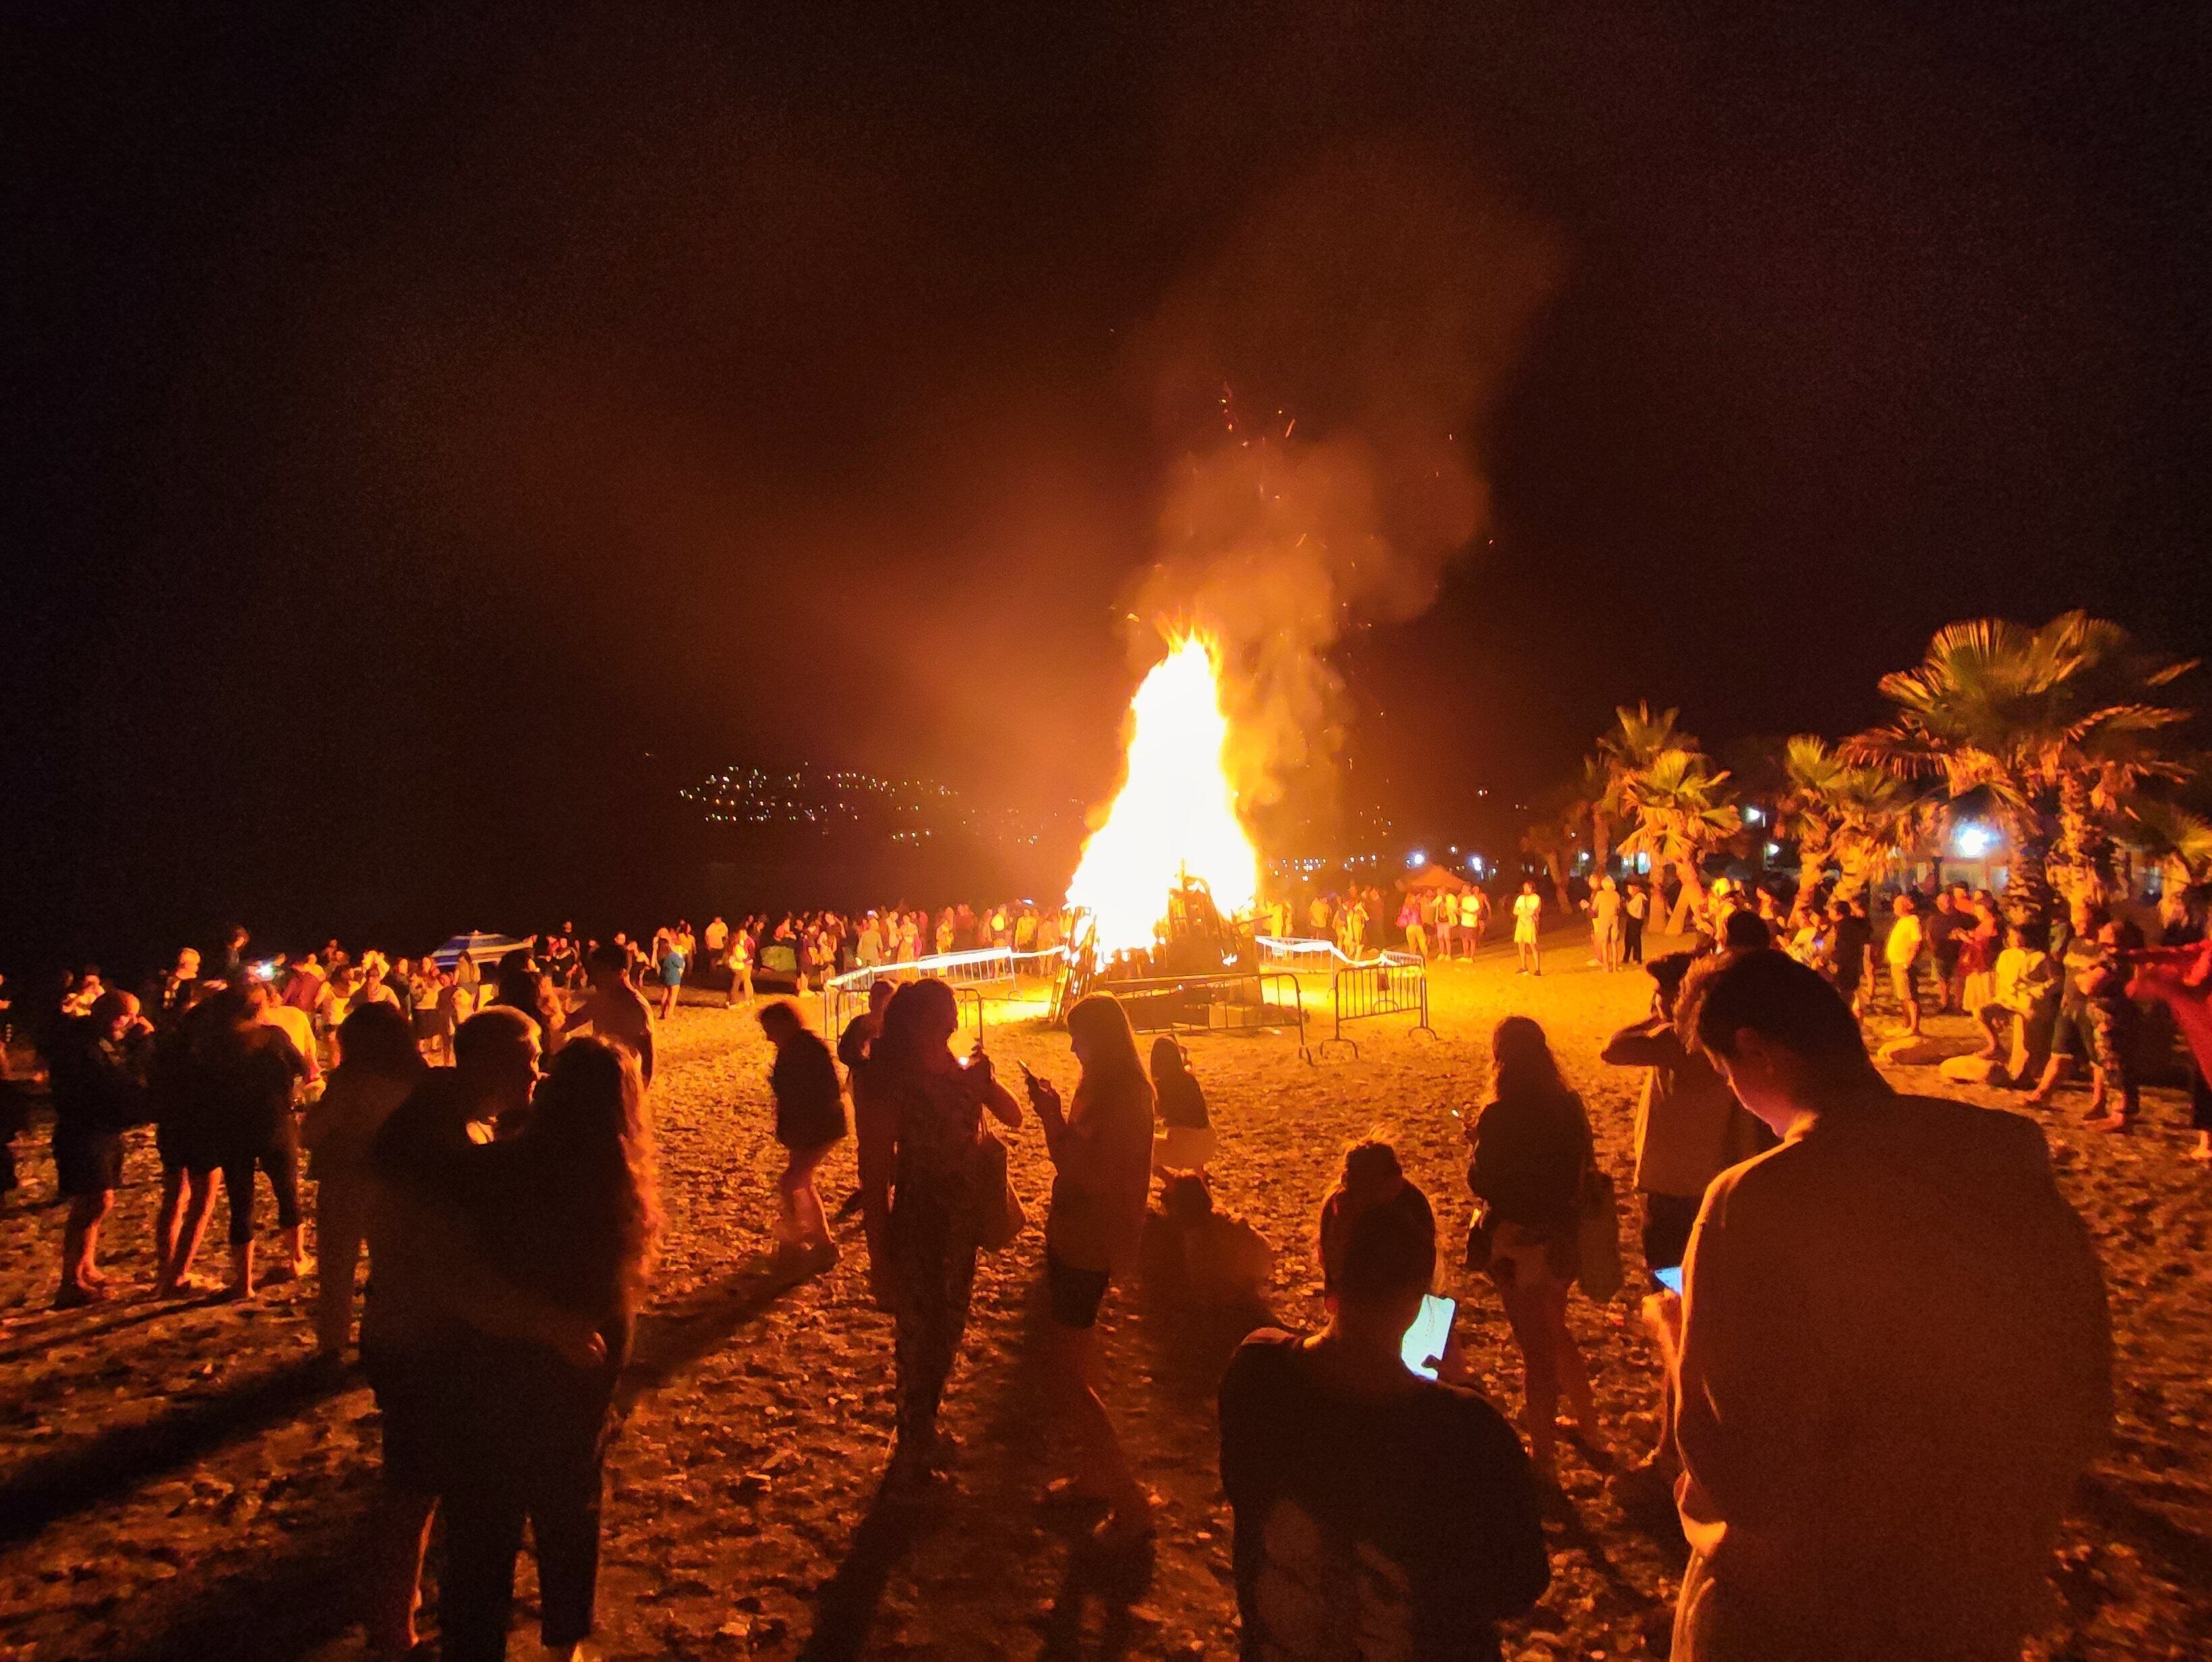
x: 1101, y: 1147
x: 1527, y: 913
x: 810, y: 1120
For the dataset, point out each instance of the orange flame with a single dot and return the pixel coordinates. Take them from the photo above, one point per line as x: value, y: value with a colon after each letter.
x: 1175, y: 814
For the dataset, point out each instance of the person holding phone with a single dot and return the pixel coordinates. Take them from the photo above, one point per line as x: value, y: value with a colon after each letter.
x: 1893, y: 1358
x: 1377, y: 1512
x: 932, y: 1107
x: 1101, y: 1154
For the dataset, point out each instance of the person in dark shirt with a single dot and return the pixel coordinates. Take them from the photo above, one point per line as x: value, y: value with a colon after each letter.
x: 1378, y: 1513
x: 1186, y: 1140
x: 97, y: 1066
x: 1533, y: 1152
x: 1851, y: 938
x: 853, y: 1047
x: 252, y: 1074
x: 810, y: 1120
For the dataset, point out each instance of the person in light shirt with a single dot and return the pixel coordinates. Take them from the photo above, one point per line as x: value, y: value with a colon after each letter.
x: 1891, y: 1354
x: 1527, y: 909
x: 1901, y: 952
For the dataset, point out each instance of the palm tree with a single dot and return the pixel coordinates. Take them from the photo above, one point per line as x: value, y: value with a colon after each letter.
x: 1683, y: 810
x: 2057, y: 724
x: 1551, y: 841
x: 1638, y: 737
x: 1854, y: 814
x: 2177, y: 840
x: 1597, y: 793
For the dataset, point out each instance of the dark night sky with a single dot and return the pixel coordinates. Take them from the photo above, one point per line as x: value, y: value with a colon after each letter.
x: 421, y: 417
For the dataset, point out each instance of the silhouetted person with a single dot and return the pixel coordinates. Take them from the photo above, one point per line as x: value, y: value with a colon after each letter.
x: 1895, y: 1360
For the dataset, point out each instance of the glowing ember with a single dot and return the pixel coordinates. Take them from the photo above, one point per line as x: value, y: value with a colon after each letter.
x: 1175, y: 814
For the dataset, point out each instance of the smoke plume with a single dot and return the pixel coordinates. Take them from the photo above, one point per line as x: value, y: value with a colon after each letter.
x: 1326, y: 376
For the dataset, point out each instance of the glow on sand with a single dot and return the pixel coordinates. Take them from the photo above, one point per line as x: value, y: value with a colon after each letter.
x: 1176, y: 814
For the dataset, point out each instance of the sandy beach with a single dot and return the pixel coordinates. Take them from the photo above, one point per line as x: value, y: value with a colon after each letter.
x: 180, y: 1482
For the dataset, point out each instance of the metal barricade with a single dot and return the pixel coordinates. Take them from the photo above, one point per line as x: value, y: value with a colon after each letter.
x: 1202, y: 1003
x: 1291, y: 952
x: 1393, y: 983
x: 968, y: 973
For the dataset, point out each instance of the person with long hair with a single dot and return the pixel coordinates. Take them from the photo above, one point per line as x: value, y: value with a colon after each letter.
x: 810, y: 1120
x: 567, y: 1211
x: 1101, y: 1154
x: 1377, y: 1512
x: 933, y: 1107
x: 1186, y: 1140
x: 379, y: 1067
x: 1532, y: 1149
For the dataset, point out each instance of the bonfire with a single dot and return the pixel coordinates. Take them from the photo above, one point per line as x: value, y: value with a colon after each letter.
x: 1172, y: 825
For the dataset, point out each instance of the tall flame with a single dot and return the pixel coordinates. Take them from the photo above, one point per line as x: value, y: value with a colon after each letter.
x: 1176, y: 814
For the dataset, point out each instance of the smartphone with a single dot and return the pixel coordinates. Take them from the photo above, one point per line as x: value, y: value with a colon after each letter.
x: 1670, y: 1278
x: 1426, y: 1337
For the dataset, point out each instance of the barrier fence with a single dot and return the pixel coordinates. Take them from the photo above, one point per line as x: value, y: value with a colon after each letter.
x: 1391, y: 984
x: 968, y: 973
x: 1229, y: 1001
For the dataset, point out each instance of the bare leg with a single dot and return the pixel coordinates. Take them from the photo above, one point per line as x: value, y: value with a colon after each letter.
x: 2054, y: 1070
x: 197, y: 1204
x: 1102, y: 1468
x: 400, y: 1528
x: 166, y: 1222
x: 1540, y: 1385
x: 80, y: 1241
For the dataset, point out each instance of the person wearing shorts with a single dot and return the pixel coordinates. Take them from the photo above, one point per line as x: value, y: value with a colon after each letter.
x: 1902, y: 952
x: 1102, y: 1153
x: 253, y: 1074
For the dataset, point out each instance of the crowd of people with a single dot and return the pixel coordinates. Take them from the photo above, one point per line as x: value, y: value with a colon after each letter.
x: 1884, y: 1346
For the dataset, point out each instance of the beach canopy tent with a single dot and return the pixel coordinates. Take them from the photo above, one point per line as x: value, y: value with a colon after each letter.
x: 480, y: 948
x: 1436, y: 876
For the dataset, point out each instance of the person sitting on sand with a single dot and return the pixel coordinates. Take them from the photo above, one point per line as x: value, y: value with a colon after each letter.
x: 1186, y: 1142
x: 2021, y: 986
x: 1226, y: 1261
